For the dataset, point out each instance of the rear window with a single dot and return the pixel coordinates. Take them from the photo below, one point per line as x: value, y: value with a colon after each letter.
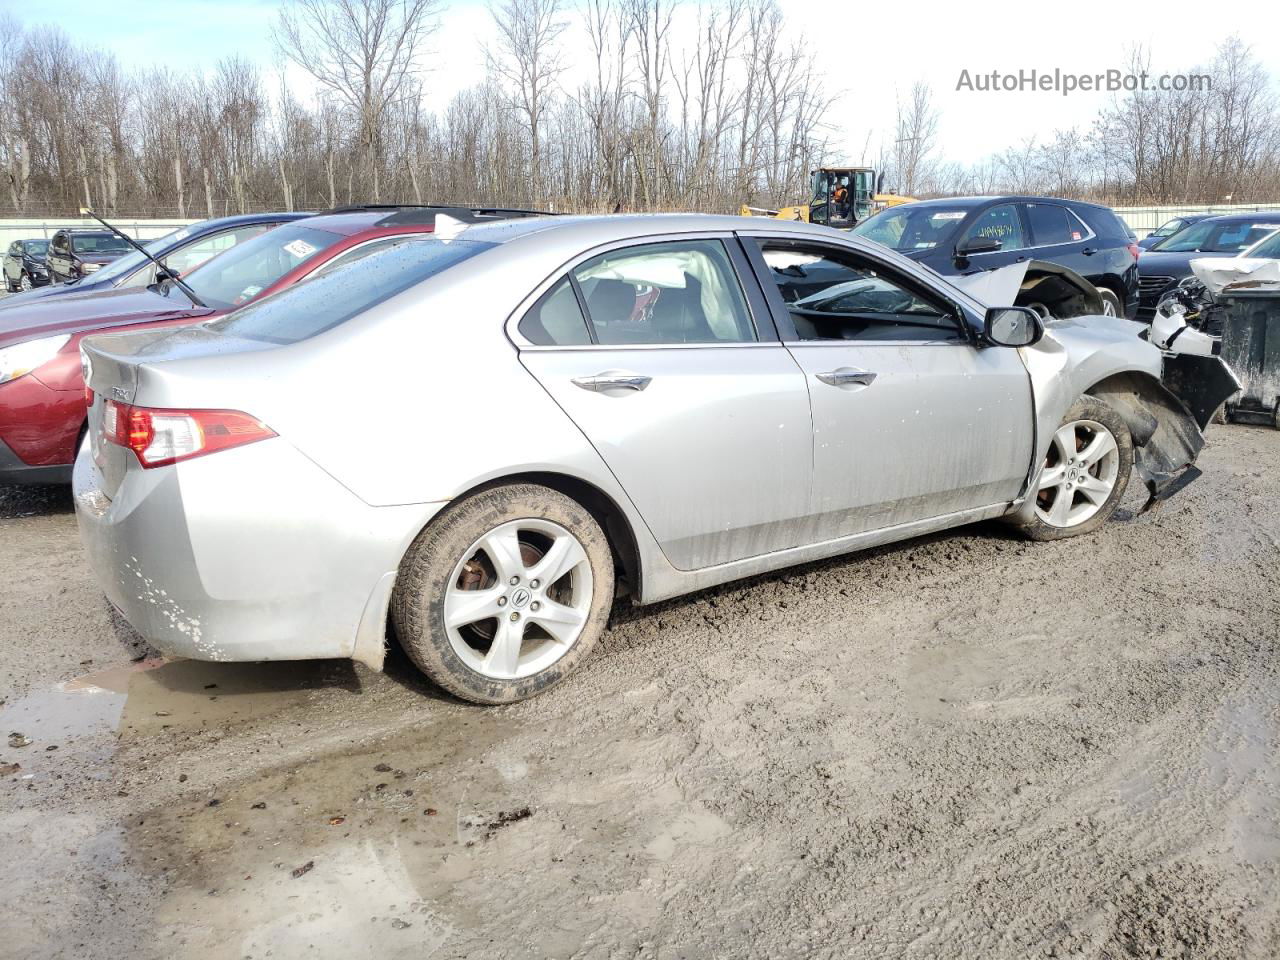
x: 327, y: 300
x: 1052, y: 224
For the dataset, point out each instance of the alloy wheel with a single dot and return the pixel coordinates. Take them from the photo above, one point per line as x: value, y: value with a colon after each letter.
x: 519, y: 599
x: 24, y: 283
x: 1079, y: 473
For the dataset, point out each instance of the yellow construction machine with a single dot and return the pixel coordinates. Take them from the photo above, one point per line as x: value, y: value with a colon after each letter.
x: 841, y: 197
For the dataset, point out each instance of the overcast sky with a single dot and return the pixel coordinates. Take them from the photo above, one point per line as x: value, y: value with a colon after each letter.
x: 902, y: 43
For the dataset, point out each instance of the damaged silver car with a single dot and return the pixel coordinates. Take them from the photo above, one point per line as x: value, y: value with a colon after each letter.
x: 471, y: 444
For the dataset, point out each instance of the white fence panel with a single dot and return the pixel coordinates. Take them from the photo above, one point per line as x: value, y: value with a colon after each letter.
x: 37, y: 229
x: 1145, y: 219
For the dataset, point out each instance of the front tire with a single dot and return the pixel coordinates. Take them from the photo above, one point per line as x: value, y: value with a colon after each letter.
x: 504, y: 594
x: 24, y: 281
x: 1085, y: 473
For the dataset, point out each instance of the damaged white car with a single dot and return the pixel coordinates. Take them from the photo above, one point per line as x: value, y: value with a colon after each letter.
x: 472, y: 444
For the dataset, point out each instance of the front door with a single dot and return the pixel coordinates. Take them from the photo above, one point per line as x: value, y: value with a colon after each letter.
x: 911, y: 420
x: 1002, y: 222
x: 684, y: 391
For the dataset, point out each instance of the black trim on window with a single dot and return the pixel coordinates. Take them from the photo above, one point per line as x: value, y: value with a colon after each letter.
x: 749, y: 282
x: 582, y: 305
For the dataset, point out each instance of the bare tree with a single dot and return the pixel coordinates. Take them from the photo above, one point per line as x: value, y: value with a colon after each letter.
x: 527, y: 59
x: 365, y: 51
x: 915, y: 137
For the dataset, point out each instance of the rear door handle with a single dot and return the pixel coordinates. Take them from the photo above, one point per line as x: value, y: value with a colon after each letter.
x: 613, y: 380
x: 1089, y: 251
x: 847, y: 376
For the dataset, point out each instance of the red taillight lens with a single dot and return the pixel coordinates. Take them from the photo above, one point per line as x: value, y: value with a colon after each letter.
x: 1135, y: 250
x: 160, y: 436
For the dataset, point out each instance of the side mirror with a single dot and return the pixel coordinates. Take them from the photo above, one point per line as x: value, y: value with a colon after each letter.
x: 1012, y: 326
x: 978, y: 245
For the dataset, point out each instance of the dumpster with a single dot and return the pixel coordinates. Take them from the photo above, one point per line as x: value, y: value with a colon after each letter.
x: 1251, y: 347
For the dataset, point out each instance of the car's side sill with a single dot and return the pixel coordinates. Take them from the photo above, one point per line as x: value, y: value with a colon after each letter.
x: 662, y: 581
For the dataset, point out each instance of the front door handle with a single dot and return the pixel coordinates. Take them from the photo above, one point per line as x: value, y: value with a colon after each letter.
x: 847, y: 376
x: 613, y: 380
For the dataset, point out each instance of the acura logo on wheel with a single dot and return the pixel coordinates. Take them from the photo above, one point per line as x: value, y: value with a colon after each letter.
x: 520, y: 597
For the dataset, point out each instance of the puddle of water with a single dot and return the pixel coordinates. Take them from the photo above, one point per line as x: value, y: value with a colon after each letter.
x: 190, y: 694
x: 73, y: 718
x: 84, y: 717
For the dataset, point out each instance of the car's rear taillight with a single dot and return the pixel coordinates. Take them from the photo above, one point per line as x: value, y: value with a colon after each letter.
x: 159, y: 437
x: 1135, y: 250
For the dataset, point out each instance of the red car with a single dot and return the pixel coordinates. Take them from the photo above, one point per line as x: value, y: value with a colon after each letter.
x: 42, y: 408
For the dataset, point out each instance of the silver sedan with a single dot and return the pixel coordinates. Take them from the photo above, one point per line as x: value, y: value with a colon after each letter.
x: 473, y: 443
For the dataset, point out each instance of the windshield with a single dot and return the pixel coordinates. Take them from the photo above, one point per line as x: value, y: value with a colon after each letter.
x: 1217, y: 236
x: 248, y: 268
x: 132, y: 260
x: 1168, y: 229
x: 36, y: 248
x: 1267, y: 249
x: 327, y: 299
x: 93, y: 243
x: 912, y: 227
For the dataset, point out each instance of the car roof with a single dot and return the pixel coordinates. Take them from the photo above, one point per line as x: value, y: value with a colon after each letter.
x: 404, y: 218
x: 278, y: 216
x: 969, y: 202
x: 602, y: 228
x: 1244, y: 217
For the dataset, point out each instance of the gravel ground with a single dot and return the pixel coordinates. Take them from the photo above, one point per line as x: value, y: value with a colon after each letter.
x: 961, y: 746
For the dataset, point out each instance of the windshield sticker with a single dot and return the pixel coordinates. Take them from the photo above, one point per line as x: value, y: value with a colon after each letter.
x: 181, y: 235
x: 950, y: 215
x: 300, y: 249
x: 248, y: 293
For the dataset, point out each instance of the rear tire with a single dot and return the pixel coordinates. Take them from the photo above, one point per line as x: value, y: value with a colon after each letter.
x: 505, y: 593
x: 1085, y: 473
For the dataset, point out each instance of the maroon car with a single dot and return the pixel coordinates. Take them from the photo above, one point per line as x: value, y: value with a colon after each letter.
x: 74, y: 252
x: 42, y: 409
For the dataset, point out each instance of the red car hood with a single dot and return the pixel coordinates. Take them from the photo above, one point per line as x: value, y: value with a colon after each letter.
x: 94, y: 311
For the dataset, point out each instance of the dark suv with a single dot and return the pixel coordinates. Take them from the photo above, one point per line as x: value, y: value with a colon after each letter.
x: 963, y: 235
x: 74, y: 252
x: 24, y: 265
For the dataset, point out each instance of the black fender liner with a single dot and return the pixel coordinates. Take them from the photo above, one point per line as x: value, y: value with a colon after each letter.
x: 1166, y: 437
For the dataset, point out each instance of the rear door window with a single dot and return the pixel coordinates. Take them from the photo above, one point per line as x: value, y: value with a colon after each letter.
x: 305, y: 309
x: 665, y: 293
x: 1002, y: 223
x: 1051, y: 224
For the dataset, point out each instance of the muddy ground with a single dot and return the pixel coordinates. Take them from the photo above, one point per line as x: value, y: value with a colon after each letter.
x: 960, y: 746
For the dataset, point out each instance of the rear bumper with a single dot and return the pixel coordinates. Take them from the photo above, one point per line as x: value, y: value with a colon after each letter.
x: 248, y: 554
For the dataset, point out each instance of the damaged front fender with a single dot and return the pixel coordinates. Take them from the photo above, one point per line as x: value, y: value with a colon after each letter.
x: 1104, y: 358
x: 1166, y: 438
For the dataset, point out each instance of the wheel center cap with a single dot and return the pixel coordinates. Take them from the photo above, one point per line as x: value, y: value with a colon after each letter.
x: 520, y: 597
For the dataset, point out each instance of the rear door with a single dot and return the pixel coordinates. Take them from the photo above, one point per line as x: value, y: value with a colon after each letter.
x: 670, y: 366
x: 1060, y: 236
x: 910, y: 419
